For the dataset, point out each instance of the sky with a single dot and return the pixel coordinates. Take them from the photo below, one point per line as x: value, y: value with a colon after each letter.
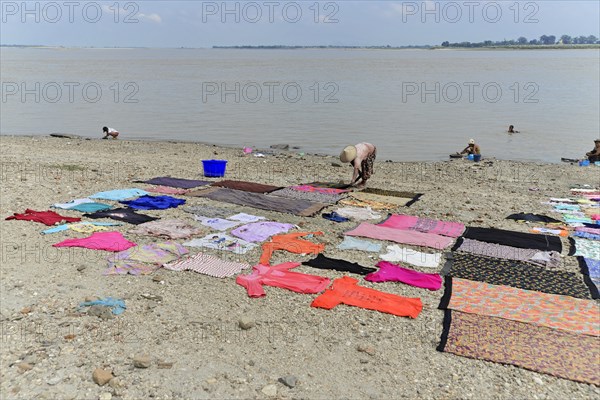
x: 151, y: 23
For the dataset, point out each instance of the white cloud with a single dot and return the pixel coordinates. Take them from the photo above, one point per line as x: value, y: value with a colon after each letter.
x: 154, y: 17
x: 128, y: 14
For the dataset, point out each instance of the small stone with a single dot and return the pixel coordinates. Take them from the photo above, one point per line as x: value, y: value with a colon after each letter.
x: 280, y: 146
x: 70, y: 336
x: 370, y: 350
x: 364, y: 361
x: 289, y: 381
x: 211, y: 381
x: 54, y: 380
x: 142, y: 361
x: 334, y: 164
x: 115, y: 383
x: 90, y: 298
x: 105, y: 396
x: 251, y: 363
x: 81, y: 268
x: 23, y: 367
x: 269, y: 390
x: 165, y: 365
x: 157, y: 278
x: 538, y: 380
x: 101, y: 376
x: 26, y: 310
x: 246, y: 323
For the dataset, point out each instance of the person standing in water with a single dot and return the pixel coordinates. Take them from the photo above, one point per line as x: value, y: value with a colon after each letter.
x: 362, y: 158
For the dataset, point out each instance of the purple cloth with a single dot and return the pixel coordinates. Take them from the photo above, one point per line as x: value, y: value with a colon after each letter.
x: 260, y: 231
x: 389, y: 272
x: 175, y: 182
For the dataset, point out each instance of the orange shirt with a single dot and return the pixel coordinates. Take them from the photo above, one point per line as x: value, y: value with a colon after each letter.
x: 346, y: 291
x: 291, y: 243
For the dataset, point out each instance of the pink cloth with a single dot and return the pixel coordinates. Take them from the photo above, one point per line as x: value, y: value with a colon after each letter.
x: 596, y: 217
x: 414, y: 238
x: 426, y: 225
x: 109, y: 241
x: 280, y: 276
x: 389, y: 272
x: 167, y: 190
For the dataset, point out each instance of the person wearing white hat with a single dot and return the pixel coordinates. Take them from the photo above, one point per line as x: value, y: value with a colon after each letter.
x: 362, y: 158
x: 471, y: 148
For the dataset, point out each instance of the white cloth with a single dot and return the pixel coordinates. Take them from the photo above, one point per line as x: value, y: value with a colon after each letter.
x: 358, y: 213
x: 73, y: 203
x: 218, y: 224
x: 243, y: 217
x: 222, y: 241
x: 403, y: 254
x: 111, y: 130
x: 352, y: 243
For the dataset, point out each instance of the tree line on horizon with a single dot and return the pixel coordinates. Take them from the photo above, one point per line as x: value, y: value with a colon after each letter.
x: 544, y: 40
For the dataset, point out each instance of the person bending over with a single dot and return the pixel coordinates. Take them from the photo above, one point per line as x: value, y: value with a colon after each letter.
x: 594, y: 155
x: 110, y: 132
x: 511, y: 129
x: 361, y: 157
x: 471, y: 148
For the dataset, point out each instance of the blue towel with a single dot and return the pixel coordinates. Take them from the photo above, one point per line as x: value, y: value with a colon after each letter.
x: 153, y: 202
x: 117, y: 306
x: 333, y: 216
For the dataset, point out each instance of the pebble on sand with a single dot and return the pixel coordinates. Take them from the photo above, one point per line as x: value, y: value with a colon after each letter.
x: 142, y: 361
x: 246, y: 323
x: 101, y: 376
x: 270, y: 390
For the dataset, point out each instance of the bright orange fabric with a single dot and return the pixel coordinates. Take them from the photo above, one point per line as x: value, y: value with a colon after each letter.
x: 291, y: 243
x: 346, y: 291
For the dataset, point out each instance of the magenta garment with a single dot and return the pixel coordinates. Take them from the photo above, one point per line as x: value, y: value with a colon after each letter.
x: 389, y: 272
x: 281, y: 276
x: 109, y: 241
x: 426, y: 225
x: 414, y: 238
x: 260, y: 231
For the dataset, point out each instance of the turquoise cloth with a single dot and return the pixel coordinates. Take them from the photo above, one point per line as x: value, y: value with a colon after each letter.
x: 117, y: 306
x: 119, y: 194
x: 91, y: 207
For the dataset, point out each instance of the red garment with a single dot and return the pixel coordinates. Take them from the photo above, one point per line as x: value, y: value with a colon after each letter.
x: 280, y: 276
x: 291, y: 243
x: 346, y: 291
x: 45, y: 217
x: 109, y: 241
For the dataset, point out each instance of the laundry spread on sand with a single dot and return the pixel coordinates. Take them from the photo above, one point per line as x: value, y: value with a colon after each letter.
x: 335, y: 217
x: 315, y: 196
x: 108, y: 241
x: 324, y: 190
x: 167, y: 190
x: 72, y: 203
x: 175, y: 182
x: 586, y: 248
x: 122, y: 214
x: 590, y: 269
x: 322, y: 262
x: 426, y: 225
x: 119, y: 194
x: 260, y: 231
x: 290, y: 242
x: 246, y: 186
x: 533, y: 218
x: 554, y: 311
x: 550, y: 259
x: 222, y: 241
x: 514, y: 239
x: 45, y: 217
x: 83, y: 227
x: 352, y: 243
x: 358, y: 213
x: 537, y: 348
x: 414, y: 238
x: 143, y: 260
x: 91, y: 207
x: 218, y: 224
x: 117, y: 306
x: 212, y: 211
x: 516, y: 274
x: 346, y: 291
x: 281, y: 276
x: 153, y: 203
x: 208, y: 265
x: 406, y: 255
x: 558, y: 232
x: 302, y: 208
x: 246, y: 218
x: 398, y: 201
x: 587, y: 235
x: 171, y: 228
x: 389, y: 272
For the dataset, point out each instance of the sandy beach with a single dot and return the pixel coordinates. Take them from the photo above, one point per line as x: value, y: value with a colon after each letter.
x: 187, y: 324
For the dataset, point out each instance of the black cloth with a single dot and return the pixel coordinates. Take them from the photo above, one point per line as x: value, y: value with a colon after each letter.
x: 323, y: 262
x: 514, y: 239
x: 533, y: 218
x: 122, y: 214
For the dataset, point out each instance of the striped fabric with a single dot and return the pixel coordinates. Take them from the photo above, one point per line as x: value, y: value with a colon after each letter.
x: 208, y: 265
